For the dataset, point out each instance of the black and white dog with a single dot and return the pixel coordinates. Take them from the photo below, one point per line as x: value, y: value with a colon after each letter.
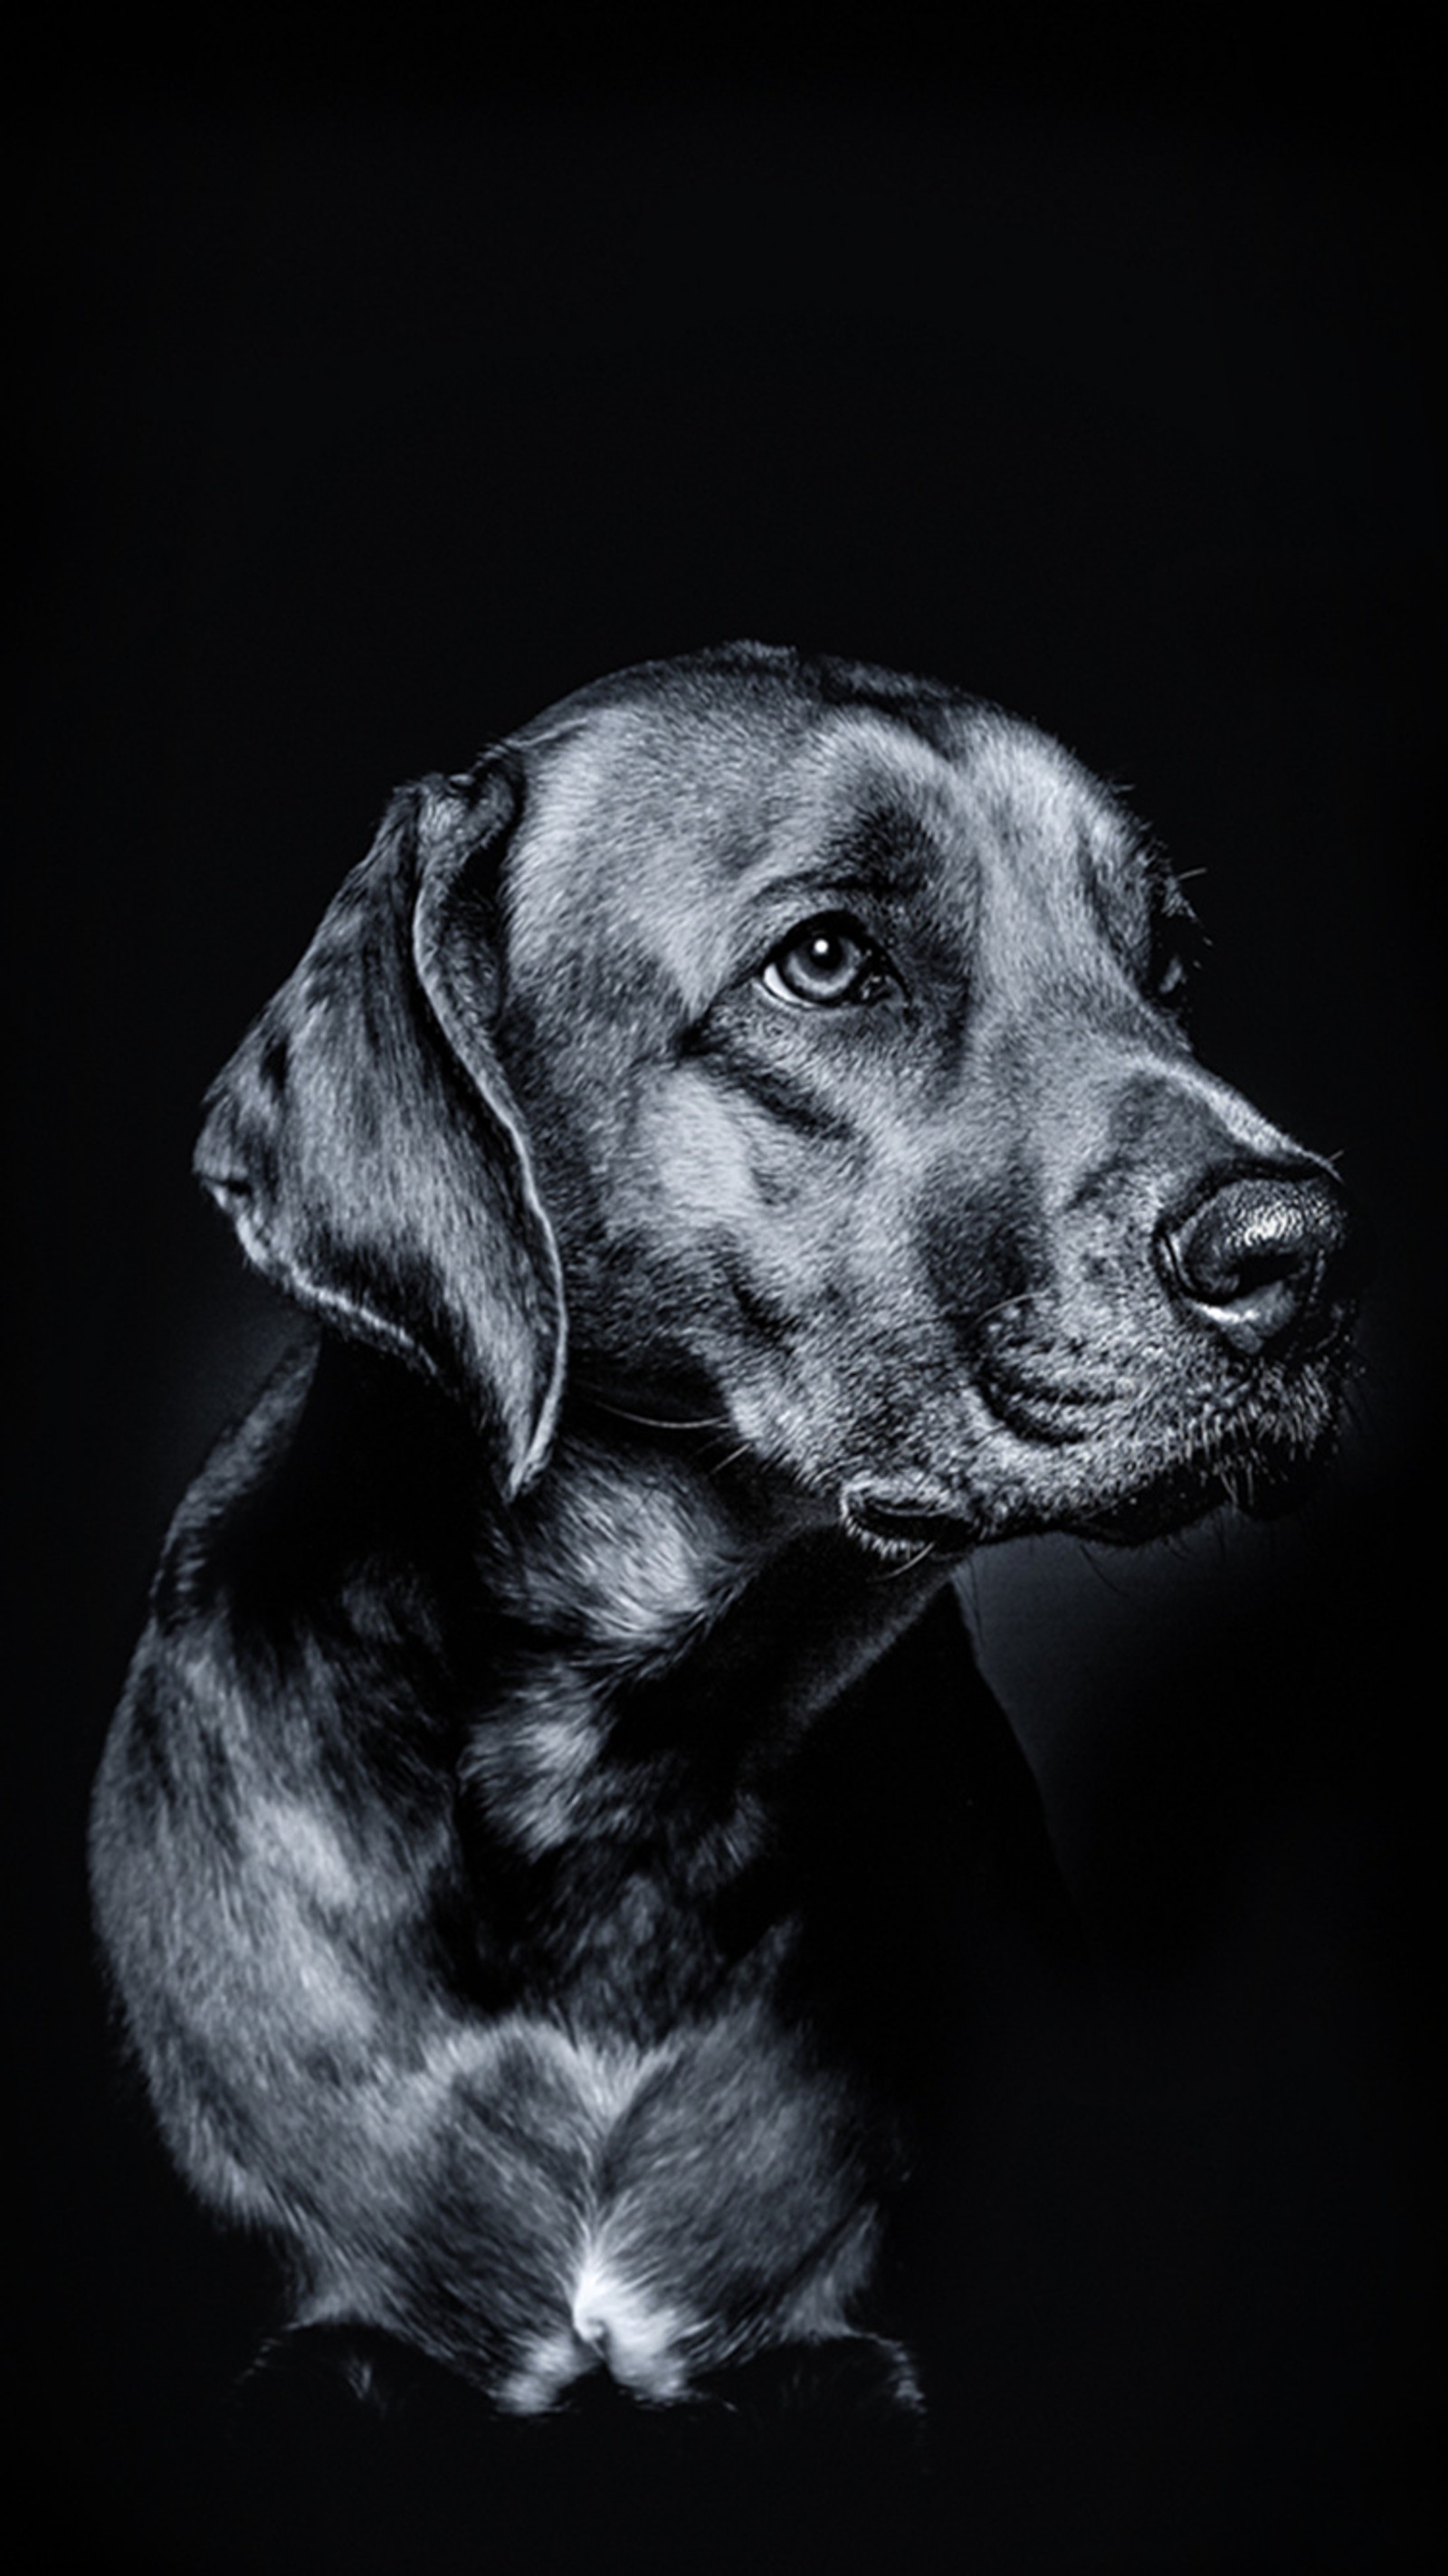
x: 741, y: 1152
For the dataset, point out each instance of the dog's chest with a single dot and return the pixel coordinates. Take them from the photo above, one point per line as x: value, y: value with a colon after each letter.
x: 663, y: 2211
x: 677, y: 2087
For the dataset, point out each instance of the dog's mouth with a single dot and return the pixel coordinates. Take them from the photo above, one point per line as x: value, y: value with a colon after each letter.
x: 901, y: 1528
x: 1257, y: 1449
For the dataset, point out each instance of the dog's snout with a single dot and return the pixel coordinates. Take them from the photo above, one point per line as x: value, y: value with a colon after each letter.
x: 1268, y: 1259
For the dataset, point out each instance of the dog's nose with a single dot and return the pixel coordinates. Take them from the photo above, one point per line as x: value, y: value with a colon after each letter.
x: 1269, y: 1259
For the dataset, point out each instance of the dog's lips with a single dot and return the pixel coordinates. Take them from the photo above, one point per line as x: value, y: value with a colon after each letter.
x: 898, y: 1526
x: 1124, y: 1472
x: 1044, y: 1413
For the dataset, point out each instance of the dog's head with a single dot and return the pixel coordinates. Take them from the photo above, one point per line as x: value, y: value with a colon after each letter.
x: 806, y: 1037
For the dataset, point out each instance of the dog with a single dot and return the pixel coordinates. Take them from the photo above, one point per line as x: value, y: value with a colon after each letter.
x: 739, y: 1151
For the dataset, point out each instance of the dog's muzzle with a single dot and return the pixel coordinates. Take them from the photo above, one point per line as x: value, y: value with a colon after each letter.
x: 1270, y: 1260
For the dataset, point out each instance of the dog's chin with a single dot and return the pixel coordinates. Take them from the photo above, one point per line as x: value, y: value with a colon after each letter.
x: 1162, y: 1511
x: 1263, y: 1478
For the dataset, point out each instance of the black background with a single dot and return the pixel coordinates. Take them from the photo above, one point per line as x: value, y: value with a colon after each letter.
x: 367, y: 410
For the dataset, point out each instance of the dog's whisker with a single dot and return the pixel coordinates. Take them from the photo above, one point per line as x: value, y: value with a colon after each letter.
x: 655, y: 1421
x: 732, y: 1457
x: 908, y: 1564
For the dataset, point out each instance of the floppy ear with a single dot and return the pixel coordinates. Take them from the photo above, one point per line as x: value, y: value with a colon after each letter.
x: 363, y: 1140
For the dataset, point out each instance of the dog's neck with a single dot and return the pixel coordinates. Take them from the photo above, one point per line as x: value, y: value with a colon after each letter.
x: 639, y: 1609
x: 627, y: 1551
x: 636, y: 1653
x: 665, y: 1638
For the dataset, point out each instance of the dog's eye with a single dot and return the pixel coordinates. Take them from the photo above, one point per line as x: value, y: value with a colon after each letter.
x: 1176, y: 957
x: 1177, y: 941
x: 825, y: 962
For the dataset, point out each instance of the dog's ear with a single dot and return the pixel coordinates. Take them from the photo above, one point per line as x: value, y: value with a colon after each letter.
x: 363, y: 1140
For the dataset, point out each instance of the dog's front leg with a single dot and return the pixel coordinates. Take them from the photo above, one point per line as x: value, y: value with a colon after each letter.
x: 277, y: 1885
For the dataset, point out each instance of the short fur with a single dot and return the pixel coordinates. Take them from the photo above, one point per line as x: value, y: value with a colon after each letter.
x: 741, y: 1150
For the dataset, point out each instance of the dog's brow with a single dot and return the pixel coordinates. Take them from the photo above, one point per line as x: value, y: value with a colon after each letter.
x: 833, y: 880
x: 1124, y: 881
x: 887, y: 842
x: 883, y: 853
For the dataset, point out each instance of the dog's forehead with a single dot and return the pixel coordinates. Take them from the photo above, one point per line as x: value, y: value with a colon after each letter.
x: 987, y: 797
x: 656, y: 832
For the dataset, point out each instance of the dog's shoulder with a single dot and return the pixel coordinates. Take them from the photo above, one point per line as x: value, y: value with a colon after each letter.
x: 303, y: 1623
x: 345, y: 1485
x: 226, y: 1501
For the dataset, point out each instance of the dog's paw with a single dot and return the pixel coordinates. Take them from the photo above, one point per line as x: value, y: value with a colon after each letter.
x: 350, y: 2448
x: 320, y: 2376
x: 853, y: 2380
